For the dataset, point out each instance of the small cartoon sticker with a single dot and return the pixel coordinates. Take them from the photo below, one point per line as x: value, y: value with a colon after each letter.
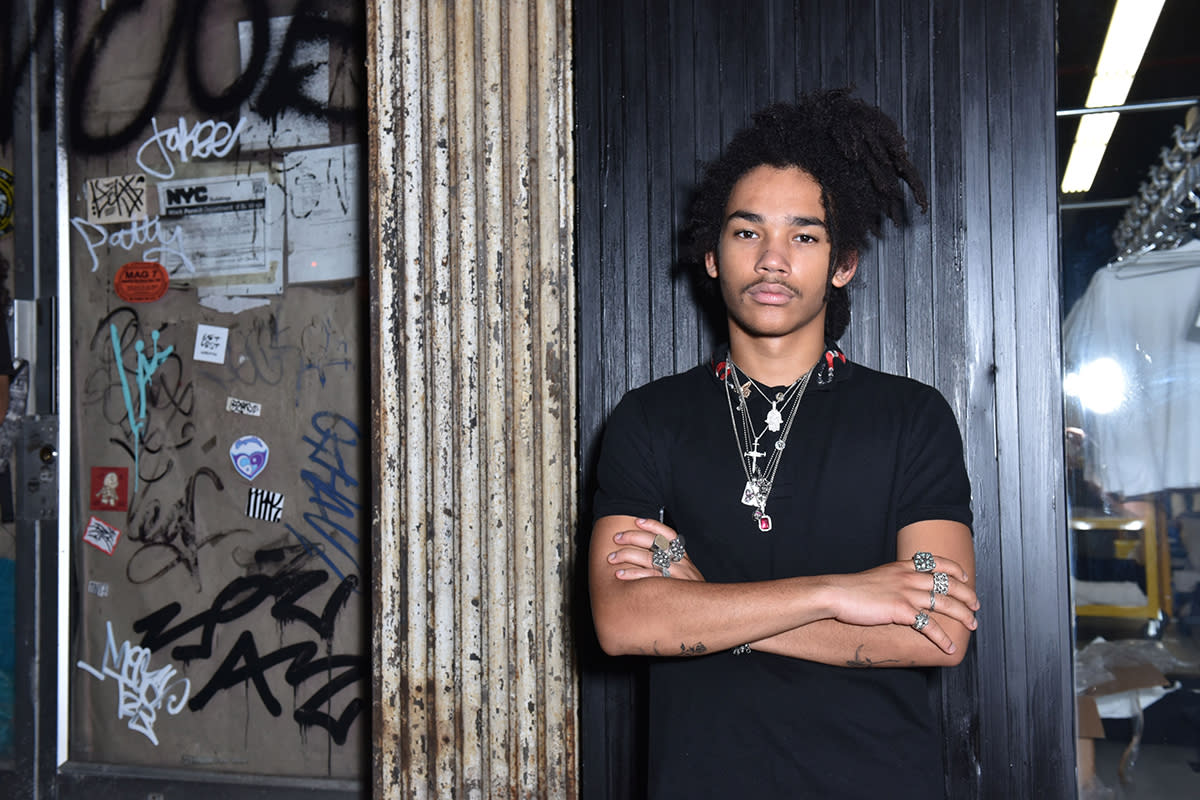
x: 249, y: 455
x: 101, y: 535
x: 141, y: 282
x: 210, y: 343
x: 264, y: 505
x: 110, y: 489
x: 98, y: 588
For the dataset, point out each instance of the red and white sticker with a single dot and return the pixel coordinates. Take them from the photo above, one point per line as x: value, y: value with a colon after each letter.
x: 141, y: 282
x: 101, y: 535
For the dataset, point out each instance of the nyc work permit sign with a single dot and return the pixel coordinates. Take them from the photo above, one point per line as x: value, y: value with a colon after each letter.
x: 227, y: 224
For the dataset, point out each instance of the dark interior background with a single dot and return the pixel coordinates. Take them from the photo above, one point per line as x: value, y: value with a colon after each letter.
x: 1170, y: 70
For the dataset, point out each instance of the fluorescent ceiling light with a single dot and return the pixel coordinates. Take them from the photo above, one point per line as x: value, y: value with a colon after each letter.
x: 1091, y: 140
x: 1125, y: 43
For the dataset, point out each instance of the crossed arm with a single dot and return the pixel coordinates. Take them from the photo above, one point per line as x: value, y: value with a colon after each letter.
x: 864, y: 619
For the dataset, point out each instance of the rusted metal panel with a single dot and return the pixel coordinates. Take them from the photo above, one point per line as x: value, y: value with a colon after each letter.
x: 474, y: 382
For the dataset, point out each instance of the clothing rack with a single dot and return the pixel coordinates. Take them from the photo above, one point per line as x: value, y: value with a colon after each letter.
x: 1166, y: 211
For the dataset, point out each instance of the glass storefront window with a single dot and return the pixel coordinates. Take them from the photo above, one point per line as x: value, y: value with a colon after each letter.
x: 1131, y: 349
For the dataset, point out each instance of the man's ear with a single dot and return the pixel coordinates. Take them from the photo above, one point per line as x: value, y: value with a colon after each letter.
x: 710, y: 263
x: 847, y: 266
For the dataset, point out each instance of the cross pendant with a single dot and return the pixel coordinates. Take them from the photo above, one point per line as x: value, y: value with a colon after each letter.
x: 754, y: 455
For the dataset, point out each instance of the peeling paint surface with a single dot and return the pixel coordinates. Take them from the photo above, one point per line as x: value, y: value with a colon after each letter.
x: 473, y: 322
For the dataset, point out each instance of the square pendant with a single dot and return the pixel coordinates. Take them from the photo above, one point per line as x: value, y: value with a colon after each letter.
x: 764, y: 523
x: 750, y: 493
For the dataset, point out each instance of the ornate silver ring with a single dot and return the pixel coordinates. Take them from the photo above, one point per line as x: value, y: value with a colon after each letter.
x: 923, y: 562
x: 921, y: 621
x: 941, y: 583
x: 676, y: 550
x: 660, y: 555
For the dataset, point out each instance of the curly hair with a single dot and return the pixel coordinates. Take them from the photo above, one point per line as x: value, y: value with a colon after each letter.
x: 853, y: 150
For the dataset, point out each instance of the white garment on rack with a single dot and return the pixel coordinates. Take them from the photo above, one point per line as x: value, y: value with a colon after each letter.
x: 1139, y: 316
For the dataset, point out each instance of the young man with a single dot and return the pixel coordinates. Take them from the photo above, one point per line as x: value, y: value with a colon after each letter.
x: 787, y: 532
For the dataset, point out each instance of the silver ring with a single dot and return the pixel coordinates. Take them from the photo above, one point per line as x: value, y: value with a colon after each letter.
x: 923, y: 562
x: 941, y: 583
x: 932, y: 599
x: 660, y: 555
x: 921, y: 621
x: 676, y: 550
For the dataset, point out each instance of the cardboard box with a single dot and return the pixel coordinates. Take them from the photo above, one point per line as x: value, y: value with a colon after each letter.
x: 1140, y: 676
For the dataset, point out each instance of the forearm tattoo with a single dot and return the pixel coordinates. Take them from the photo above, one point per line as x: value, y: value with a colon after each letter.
x: 698, y: 649
x: 861, y: 660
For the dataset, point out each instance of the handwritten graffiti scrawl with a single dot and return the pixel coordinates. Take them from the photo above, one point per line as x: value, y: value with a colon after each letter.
x: 145, y: 373
x: 245, y: 665
x: 141, y: 691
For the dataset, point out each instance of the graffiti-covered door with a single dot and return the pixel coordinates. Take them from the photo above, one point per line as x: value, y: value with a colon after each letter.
x: 217, y: 532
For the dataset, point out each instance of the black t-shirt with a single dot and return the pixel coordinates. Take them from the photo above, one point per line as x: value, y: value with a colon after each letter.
x: 868, y: 453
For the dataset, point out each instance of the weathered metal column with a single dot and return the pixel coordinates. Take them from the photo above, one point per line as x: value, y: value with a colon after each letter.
x: 473, y: 307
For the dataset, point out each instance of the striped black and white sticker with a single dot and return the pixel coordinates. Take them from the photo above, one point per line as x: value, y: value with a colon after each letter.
x: 264, y: 505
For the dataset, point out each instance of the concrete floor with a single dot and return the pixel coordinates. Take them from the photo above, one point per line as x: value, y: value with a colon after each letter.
x: 1169, y: 766
x: 1160, y: 772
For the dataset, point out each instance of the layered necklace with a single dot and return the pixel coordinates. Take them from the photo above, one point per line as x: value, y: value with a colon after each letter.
x: 760, y: 478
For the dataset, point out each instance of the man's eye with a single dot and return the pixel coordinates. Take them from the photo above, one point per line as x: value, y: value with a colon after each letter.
x: 806, y: 238
x: 743, y: 234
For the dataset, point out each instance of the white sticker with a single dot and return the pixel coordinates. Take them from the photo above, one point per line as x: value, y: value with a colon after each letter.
x: 243, y: 407
x: 115, y: 198
x: 98, y: 588
x: 101, y: 535
x: 210, y: 343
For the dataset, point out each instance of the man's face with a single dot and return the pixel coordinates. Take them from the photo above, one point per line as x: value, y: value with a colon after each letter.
x: 772, y: 260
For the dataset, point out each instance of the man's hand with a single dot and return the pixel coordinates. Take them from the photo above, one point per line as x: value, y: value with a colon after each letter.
x: 633, y: 557
x: 896, y: 593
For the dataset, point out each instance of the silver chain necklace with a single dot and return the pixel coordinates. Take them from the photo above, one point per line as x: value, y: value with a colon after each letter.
x: 759, y: 484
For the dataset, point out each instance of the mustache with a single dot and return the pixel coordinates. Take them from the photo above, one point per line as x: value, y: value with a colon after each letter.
x: 772, y: 282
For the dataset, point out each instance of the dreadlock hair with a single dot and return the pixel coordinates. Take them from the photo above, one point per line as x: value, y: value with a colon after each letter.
x: 855, y: 153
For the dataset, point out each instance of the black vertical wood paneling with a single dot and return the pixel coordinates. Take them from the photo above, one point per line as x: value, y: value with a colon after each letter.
x: 917, y: 244
x: 952, y: 364
x: 686, y: 81
x: 862, y: 72
x: 1039, y: 389
x: 889, y: 261
x: 988, y: 684
x: 660, y: 215
x: 964, y: 297
x: 636, y: 100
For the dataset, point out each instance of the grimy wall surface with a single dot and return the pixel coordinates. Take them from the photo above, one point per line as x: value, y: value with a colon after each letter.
x: 964, y: 298
x: 219, y: 554
x: 473, y: 331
